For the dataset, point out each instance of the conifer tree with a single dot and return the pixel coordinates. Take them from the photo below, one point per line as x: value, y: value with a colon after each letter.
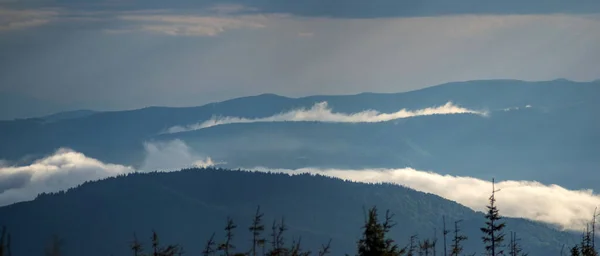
x: 136, y: 246
x: 227, y: 245
x: 457, y: 247
x: 514, y: 246
x: 445, y: 233
x: 575, y: 251
x: 492, y: 231
x: 374, y: 241
x: 257, y: 228
x: 412, y: 246
x: 209, y: 247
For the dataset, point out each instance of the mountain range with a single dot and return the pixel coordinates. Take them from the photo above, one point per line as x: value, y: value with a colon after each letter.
x: 186, y: 207
x: 539, y: 137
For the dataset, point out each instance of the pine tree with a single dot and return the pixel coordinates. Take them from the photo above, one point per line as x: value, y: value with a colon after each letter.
x: 457, y: 247
x: 514, y: 246
x: 445, y: 233
x: 227, y: 245
x: 325, y: 249
x: 209, y: 248
x: 412, y: 246
x: 257, y: 228
x: 575, y: 251
x: 425, y: 247
x: 374, y: 241
x: 493, y: 235
x: 136, y: 246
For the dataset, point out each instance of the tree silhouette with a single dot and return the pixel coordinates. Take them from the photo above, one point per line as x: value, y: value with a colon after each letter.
x: 227, y: 245
x: 136, y: 246
x: 374, y: 241
x: 257, y: 228
x: 514, y: 246
x: 445, y: 233
x: 5, y: 242
x: 209, y: 248
x: 492, y: 231
x: 457, y: 247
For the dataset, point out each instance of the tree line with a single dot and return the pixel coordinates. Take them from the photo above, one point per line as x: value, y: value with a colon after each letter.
x: 374, y: 241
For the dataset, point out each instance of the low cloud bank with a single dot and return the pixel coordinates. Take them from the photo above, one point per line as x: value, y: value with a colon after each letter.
x: 66, y: 169
x: 569, y: 209
x: 173, y: 155
x: 321, y: 112
x: 62, y: 170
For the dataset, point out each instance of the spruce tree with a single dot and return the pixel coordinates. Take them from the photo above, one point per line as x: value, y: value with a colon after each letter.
x: 257, y: 228
x: 227, y: 245
x: 492, y: 231
x: 514, y: 246
x: 374, y: 241
x: 457, y: 247
x: 136, y: 246
x: 209, y: 248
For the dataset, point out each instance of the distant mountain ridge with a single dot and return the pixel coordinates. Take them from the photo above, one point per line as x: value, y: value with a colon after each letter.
x: 187, y: 206
x: 559, y: 132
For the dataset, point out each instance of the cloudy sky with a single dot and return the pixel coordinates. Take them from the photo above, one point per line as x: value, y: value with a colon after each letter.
x: 109, y: 54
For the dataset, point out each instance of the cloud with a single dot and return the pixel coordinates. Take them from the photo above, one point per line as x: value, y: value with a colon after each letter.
x: 209, y: 21
x: 196, y: 24
x: 11, y: 19
x: 515, y: 108
x: 321, y: 112
x: 62, y: 170
x: 66, y: 169
x: 231, y: 8
x: 173, y: 155
x: 553, y: 204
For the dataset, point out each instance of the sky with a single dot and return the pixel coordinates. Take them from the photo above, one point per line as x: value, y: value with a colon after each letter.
x: 113, y: 55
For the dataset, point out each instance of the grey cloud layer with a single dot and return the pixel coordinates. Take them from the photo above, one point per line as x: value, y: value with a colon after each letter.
x: 321, y: 112
x: 206, y: 22
x: 363, y: 8
x: 11, y: 19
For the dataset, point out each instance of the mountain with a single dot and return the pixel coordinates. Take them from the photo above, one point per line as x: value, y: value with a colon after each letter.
x: 187, y: 206
x: 68, y: 115
x: 558, y: 132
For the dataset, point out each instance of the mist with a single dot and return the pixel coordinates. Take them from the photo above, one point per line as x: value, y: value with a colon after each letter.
x: 321, y: 112
x: 66, y: 169
x: 548, y: 203
x: 172, y: 155
x: 552, y: 204
x: 62, y: 170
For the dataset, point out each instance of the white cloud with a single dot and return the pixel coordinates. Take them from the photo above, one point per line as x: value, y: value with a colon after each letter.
x: 62, y: 170
x: 66, y: 169
x: 569, y: 209
x: 515, y: 108
x: 172, y: 155
x: 321, y: 112
x: 11, y: 19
